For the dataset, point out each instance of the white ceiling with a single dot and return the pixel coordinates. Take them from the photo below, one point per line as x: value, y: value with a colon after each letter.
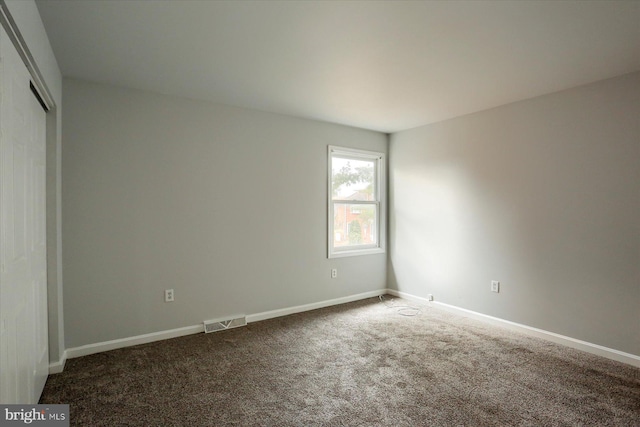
x: 385, y: 66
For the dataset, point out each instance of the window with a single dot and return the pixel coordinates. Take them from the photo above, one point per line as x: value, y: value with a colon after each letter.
x: 356, y: 202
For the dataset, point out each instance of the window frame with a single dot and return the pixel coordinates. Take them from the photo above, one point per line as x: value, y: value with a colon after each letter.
x: 380, y: 196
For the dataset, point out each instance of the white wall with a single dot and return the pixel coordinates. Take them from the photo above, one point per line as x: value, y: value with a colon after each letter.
x: 27, y: 18
x: 225, y: 205
x: 543, y: 195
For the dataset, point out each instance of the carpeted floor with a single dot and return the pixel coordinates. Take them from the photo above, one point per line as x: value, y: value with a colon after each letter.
x: 358, y: 364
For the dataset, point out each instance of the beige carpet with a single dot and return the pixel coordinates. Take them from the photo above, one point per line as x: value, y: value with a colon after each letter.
x: 358, y: 364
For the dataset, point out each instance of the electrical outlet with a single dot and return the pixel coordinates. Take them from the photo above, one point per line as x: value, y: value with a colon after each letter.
x: 495, y: 286
x: 334, y: 273
x: 168, y: 295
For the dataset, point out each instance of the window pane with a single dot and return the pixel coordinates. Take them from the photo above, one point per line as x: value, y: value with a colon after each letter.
x: 353, y: 179
x: 354, y: 224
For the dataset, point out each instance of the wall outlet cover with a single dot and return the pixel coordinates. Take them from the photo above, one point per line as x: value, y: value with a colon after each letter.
x: 495, y: 286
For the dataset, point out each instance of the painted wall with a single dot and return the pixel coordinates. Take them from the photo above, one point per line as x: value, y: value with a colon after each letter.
x: 542, y: 195
x: 226, y: 206
x: 27, y: 18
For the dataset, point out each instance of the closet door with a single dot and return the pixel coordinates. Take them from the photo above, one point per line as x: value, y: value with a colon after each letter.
x: 23, y: 287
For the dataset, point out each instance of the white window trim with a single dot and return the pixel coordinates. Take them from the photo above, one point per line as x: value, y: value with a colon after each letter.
x: 381, y: 201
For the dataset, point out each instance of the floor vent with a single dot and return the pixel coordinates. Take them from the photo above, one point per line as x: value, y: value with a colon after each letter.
x: 221, y: 325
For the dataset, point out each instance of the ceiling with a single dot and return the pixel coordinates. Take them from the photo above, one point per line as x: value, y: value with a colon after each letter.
x: 385, y: 65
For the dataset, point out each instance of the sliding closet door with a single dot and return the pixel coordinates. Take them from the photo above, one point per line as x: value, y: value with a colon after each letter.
x: 23, y: 287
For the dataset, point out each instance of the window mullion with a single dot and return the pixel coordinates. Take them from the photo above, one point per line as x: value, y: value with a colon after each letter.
x: 357, y: 202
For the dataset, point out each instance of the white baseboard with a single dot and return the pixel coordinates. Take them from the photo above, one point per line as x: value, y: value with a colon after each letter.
x: 85, y: 350
x: 585, y: 346
x: 596, y: 349
x: 313, y: 306
x: 88, y: 349
x: 57, y: 367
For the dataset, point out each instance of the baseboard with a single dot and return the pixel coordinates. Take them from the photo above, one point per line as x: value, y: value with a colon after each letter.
x: 313, y: 306
x: 585, y: 346
x: 88, y: 349
x: 58, y: 366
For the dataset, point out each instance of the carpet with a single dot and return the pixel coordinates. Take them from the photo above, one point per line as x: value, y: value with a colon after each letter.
x: 366, y: 363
